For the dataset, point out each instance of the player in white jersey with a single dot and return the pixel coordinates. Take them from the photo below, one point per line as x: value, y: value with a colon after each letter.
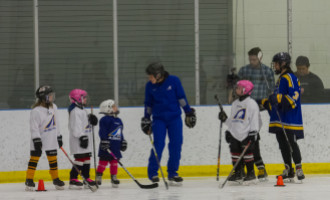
x: 45, y: 136
x: 243, y: 124
x: 80, y: 127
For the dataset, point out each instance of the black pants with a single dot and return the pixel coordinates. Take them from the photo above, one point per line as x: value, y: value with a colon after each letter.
x: 285, y: 150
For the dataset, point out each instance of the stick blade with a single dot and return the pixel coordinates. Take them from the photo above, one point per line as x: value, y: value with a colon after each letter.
x: 151, y: 186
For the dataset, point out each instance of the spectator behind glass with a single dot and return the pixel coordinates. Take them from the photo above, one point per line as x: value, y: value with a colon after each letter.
x: 259, y: 74
x: 312, y: 88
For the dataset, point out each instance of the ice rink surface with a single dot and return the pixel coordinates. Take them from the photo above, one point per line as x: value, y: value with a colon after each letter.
x: 314, y: 187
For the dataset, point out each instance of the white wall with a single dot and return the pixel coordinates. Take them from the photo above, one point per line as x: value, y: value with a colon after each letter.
x: 200, y: 144
x: 266, y: 26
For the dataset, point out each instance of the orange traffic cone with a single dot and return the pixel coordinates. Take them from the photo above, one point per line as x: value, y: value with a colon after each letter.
x: 41, y: 186
x: 279, y: 182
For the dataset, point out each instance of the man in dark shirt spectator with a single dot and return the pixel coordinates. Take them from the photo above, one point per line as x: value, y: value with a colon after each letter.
x: 312, y: 89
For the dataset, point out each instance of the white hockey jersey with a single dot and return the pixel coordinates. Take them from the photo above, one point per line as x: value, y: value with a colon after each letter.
x: 79, y: 126
x: 44, y: 125
x: 245, y: 117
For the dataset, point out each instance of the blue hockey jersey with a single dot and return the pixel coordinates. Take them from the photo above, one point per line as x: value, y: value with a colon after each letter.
x: 287, y: 91
x: 111, y: 129
x: 163, y: 100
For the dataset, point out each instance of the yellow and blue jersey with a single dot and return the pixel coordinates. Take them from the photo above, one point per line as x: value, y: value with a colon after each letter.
x: 287, y: 90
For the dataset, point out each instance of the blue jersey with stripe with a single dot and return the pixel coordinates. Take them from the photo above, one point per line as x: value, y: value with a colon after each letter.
x: 111, y: 129
x: 289, y: 107
x: 163, y: 100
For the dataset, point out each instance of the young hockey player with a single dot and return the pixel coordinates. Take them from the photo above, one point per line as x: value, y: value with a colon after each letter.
x: 285, y: 115
x: 45, y: 136
x: 80, y: 138
x: 164, y: 95
x: 111, y: 136
x: 243, y: 127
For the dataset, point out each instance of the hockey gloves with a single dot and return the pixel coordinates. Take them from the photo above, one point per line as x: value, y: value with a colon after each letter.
x: 92, y: 119
x: 228, y: 137
x: 123, y: 146
x: 37, y: 144
x: 252, y: 136
x: 83, y: 142
x: 222, y: 116
x: 105, y: 145
x: 272, y: 99
x: 59, y: 141
x: 146, y: 125
x: 191, y: 119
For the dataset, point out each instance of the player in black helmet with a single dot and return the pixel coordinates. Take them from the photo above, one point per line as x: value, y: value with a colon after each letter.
x: 285, y: 115
x: 45, y: 136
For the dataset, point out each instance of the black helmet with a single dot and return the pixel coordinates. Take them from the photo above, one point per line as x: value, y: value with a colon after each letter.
x: 156, y: 69
x: 282, y: 57
x: 43, y: 92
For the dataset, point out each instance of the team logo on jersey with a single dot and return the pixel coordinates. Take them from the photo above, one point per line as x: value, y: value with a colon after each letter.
x: 169, y: 88
x: 240, y: 115
x: 88, y: 128
x: 116, y: 134
x: 50, y: 125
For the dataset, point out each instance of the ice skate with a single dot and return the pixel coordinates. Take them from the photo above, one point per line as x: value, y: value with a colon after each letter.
x: 250, y: 178
x: 175, y: 181
x: 98, y: 178
x: 29, y: 185
x: 236, y: 176
x: 91, y: 183
x: 287, y: 174
x: 262, y: 174
x: 155, y: 179
x: 300, y: 173
x: 59, y: 185
x: 114, y: 181
x: 75, y: 184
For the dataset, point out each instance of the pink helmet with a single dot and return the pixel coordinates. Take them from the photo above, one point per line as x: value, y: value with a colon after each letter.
x: 246, y: 85
x: 76, y: 95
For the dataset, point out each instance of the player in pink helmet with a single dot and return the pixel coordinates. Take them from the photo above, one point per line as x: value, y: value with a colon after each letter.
x: 80, y: 127
x: 78, y: 96
x: 243, y: 124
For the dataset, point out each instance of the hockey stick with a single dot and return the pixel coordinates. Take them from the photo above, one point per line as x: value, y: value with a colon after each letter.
x: 156, y: 155
x: 94, y: 155
x: 236, y: 164
x: 219, y: 148
x: 151, y: 186
x: 89, y: 186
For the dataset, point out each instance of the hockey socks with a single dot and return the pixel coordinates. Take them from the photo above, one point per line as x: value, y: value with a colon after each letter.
x: 32, y: 167
x: 52, y: 160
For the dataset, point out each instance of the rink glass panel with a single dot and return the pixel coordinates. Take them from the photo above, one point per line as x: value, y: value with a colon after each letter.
x: 76, y: 45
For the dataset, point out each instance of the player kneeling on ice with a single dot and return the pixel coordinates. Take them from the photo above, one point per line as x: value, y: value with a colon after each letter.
x: 80, y: 127
x: 243, y: 127
x: 111, y: 136
x: 45, y: 135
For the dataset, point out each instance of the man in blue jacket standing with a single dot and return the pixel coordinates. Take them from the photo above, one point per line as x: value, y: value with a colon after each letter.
x: 164, y: 97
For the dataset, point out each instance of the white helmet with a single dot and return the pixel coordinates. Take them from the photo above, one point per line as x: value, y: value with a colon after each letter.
x: 106, y: 107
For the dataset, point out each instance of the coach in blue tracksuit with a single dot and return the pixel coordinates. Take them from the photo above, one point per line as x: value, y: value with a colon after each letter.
x: 164, y: 97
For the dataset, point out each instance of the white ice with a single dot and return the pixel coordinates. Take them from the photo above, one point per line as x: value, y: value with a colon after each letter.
x: 314, y: 187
